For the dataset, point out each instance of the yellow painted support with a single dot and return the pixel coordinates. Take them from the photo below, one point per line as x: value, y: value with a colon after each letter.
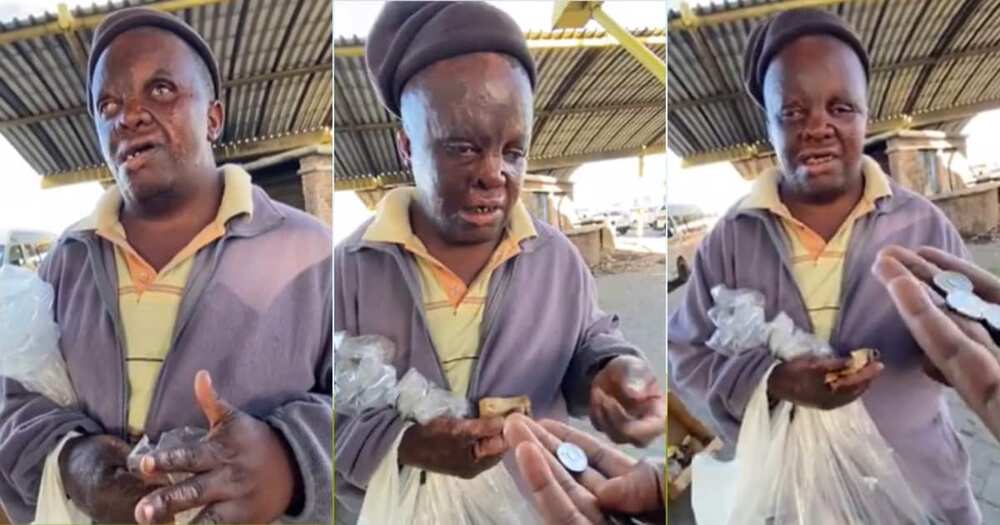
x: 647, y: 58
x: 568, y: 14
x: 60, y: 25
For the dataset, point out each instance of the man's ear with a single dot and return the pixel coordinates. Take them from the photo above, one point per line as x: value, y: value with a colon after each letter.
x: 216, y: 117
x: 403, y: 145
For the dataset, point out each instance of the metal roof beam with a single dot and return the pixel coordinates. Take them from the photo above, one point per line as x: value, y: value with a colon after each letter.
x: 876, y: 130
x: 375, y: 126
x: 533, y: 43
x: 81, y: 110
x: 223, y: 153
x: 576, y: 160
x: 688, y: 19
x: 91, y: 21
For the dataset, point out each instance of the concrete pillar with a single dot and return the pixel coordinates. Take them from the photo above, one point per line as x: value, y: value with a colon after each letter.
x: 928, y: 162
x: 316, y: 172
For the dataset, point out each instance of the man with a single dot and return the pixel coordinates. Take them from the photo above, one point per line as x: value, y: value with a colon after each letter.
x: 477, y: 296
x: 184, y: 269
x: 806, y: 237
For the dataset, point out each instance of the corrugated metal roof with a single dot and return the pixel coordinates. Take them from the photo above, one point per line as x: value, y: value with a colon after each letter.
x: 937, y: 61
x: 274, y: 57
x: 589, y: 100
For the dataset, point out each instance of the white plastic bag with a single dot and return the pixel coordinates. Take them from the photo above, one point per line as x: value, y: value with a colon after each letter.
x: 415, y: 497
x: 29, y: 338
x: 799, y: 465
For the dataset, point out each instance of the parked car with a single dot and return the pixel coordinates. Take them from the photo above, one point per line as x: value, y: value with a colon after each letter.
x: 686, y: 226
x: 24, y: 248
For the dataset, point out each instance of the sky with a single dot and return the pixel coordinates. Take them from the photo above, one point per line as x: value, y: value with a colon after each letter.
x: 598, y: 185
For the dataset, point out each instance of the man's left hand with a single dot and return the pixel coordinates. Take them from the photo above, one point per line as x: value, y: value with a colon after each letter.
x: 243, y: 470
x: 626, y: 402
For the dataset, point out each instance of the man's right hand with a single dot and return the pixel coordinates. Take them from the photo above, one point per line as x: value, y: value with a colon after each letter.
x: 802, y: 381
x: 96, y: 477
x: 452, y: 446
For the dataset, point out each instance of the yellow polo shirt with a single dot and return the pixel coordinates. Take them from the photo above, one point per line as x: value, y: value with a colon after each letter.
x: 148, y: 300
x: 453, y: 310
x: 818, y: 265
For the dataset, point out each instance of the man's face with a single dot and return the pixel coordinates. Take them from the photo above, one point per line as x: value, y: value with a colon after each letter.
x: 466, y: 130
x: 154, y: 112
x: 815, y: 94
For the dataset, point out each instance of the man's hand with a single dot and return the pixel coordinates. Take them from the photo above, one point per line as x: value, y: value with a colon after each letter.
x: 243, y: 470
x: 96, y: 478
x: 612, y: 483
x: 626, y: 403
x: 452, y: 446
x: 961, y: 350
x: 802, y: 381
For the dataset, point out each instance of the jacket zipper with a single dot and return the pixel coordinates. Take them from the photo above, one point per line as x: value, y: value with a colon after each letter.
x: 101, y: 267
x: 494, y: 299
x: 197, y: 282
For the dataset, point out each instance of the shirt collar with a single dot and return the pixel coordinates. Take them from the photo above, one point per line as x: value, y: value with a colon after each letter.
x: 764, y: 192
x: 237, y: 198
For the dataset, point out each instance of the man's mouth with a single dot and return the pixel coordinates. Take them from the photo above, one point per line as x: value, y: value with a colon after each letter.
x: 815, y: 160
x: 482, y: 216
x: 135, y: 155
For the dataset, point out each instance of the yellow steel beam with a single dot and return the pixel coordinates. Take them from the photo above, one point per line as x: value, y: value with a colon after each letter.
x: 743, y: 151
x: 223, y: 153
x: 66, y: 178
x: 533, y: 43
x: 369, y: 183
x: 91, y: 21
x: 640, y: 52
x: 690, y: 20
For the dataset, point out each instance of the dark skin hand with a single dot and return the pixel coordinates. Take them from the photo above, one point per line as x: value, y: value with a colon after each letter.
x: 96, y: 478
x: 960, y: 351
x: 612, y: 483
x: 627, y: 414
x: 802, y: 381
x: 457, y: 447
x: 151, y: 90
x: 466, y: 130
x: 243, y: 470
x: 815, y: 93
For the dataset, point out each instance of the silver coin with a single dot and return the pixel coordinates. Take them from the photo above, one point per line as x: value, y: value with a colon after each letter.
x: 571, y: 457
x: 947, y: 282
x: 967, y: 304
x: 992, y: 315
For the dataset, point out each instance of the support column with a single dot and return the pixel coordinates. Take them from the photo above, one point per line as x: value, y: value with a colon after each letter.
x: 316, y: 172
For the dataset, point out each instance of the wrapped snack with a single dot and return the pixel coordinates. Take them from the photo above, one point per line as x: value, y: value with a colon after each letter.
x: 504, y: 406
x: 29, y: 338
x: 179, y: 437
x: 739, y: 319
x: 859, y: 358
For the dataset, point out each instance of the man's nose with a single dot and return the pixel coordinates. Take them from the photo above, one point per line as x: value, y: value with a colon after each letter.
x: 133, y: 114
x: 491, y: 173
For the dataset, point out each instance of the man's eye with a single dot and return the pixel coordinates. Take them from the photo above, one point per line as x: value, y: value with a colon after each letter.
x: 461, y: 149
x: 107, y: 107
x: 514, y: 155
x: 791, y: 113
x: 843, y: 108
x: 160, y: 90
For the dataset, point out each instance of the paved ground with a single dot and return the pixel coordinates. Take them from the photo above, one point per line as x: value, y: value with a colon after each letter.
x: 983, y: 448
x: 639, y: 300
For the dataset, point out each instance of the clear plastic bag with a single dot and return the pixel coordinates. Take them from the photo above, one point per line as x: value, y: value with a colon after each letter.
x: 29, y: 338
x: 363, y: 379
x: 178, y: 437
x: 799, y: 465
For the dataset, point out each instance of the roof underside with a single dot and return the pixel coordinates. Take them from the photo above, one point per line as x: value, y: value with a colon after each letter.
x: 935, y: 64
x: 592, y: 101
x: 274, y: 58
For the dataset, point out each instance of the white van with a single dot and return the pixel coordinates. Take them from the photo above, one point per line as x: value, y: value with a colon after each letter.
x: 24, y: 247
